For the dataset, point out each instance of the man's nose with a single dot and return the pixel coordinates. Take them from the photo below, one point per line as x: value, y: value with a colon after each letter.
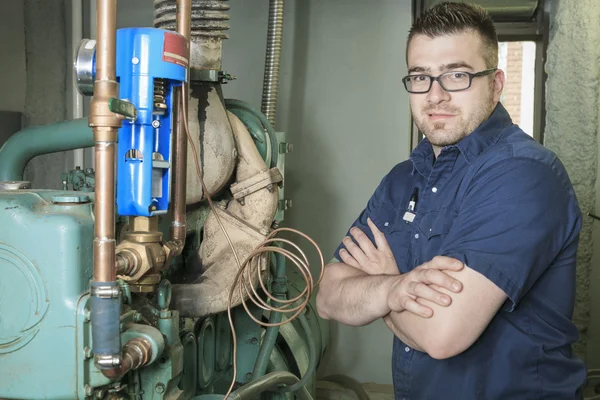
x: 437, y: 94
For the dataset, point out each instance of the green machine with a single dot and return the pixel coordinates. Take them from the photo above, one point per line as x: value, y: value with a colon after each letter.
x: 173, y: 299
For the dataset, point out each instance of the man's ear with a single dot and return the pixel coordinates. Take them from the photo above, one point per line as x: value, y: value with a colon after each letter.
x: 498, y: 83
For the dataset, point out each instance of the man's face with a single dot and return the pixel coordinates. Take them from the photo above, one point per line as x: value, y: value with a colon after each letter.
x: 447, y: 117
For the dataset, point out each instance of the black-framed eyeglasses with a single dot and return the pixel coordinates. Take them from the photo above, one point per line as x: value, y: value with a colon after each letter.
x: 454, y: 81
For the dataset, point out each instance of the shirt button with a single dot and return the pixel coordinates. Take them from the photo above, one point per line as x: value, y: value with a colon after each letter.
x: 434, y: 189
x: 386, y: 224
x: 407, y: 349
x: 416, y: 236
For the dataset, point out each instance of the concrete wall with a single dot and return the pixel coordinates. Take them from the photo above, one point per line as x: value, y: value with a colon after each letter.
x: 348, y: 118
x: 45, y: 42
x: 343, y: 107
x: 12, y: 54
x: 571, y: 131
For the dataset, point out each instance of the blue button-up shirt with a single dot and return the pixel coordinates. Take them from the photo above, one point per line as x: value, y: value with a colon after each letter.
x: 503, y: 205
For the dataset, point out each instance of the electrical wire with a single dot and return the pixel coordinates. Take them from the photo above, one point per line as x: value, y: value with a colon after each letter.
x: 262, y: 250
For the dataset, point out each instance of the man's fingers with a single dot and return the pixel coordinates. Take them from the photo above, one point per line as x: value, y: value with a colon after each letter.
x: 355, y: 251
x: 439, y: 278
x: 426, y: 292
x: 364, y: 242
x: 348, y: 259
x: 418, y: 309
x: 398, y: 301
x: 380, y: 239
x: 446, y: 263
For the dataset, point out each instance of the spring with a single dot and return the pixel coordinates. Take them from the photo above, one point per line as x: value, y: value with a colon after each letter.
x: 160, y: 102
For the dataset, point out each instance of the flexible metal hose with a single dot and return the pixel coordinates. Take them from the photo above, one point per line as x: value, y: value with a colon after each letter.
x: 271, y: 78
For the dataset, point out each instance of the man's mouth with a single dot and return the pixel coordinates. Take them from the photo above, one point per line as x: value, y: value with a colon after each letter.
x: 439, y: 116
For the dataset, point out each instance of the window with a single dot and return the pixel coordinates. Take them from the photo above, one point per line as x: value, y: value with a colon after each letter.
x: 517, y: 60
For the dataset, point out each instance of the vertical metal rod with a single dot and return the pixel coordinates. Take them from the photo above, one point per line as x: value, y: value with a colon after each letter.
x: 76, y: 97
x: 105, y: 126
x: 105, y: 294
x: 178, y: 226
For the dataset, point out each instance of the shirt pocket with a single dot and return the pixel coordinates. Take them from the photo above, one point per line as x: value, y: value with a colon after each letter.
x: 434, y: 226
x: 389, y: 220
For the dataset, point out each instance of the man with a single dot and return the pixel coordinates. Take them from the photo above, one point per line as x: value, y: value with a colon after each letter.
x: 467, y: 250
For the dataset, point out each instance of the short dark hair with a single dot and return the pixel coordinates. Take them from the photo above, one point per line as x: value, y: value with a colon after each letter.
x: 450, y: 18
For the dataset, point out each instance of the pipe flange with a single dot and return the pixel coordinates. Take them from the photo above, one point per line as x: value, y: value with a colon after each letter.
x: 84, y: 67
x: 105, y: 292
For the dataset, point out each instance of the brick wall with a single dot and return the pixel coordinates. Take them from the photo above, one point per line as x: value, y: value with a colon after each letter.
x: 511, y: 97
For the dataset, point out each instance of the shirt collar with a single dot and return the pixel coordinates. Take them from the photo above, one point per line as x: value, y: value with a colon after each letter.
x: 470, y: 146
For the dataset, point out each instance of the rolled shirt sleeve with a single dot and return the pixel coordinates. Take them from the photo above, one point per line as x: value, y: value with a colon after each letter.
x: 514, y: 219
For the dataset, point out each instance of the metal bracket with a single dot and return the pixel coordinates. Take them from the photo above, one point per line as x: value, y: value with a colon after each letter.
x: 106, y: 292
x: 261, y: 180
x: 108, y: 361
x: 285, y: 148
x: 210, y: 75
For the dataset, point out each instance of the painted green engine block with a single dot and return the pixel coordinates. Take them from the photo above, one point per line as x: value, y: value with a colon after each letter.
x: 46, y: 240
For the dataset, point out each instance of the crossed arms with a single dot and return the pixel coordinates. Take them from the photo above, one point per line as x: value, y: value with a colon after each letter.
x: 440, y: 308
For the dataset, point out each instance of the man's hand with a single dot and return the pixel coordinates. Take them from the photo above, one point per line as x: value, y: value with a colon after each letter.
x: 422, y: 282
x: 365, y: 256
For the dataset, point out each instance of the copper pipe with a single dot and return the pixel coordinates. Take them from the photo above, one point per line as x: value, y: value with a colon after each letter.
x: 105, y: 302
x: 184, y: 19
x: 178, y: 226
x: 104, y: 240
x: 106, y: 21
x: 105, y: 125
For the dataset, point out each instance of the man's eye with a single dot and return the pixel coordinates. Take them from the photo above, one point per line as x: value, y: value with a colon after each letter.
x: 458, y: 75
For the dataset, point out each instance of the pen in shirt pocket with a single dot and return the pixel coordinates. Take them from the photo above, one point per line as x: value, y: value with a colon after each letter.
x: 409, y: 215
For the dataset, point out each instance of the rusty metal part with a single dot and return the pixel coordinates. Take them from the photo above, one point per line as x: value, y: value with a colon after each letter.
x: 105, y: 125
x: 136, y: 353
